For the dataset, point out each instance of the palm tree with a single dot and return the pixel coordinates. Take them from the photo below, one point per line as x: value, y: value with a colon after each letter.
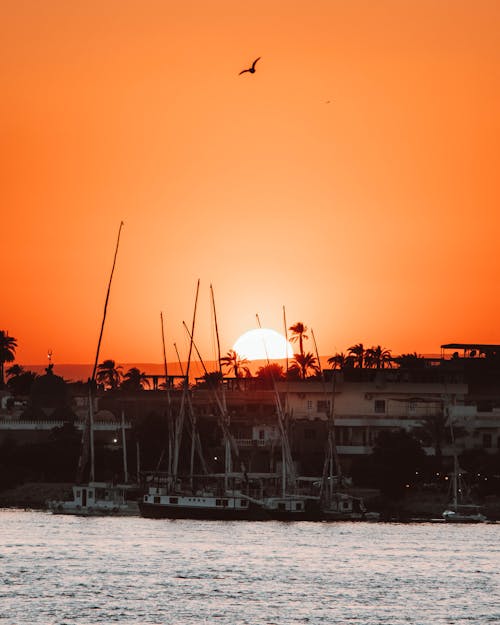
x: 298, y: 331
x: 358, y: 353
x: 410, y: 361
x: 8, y: 346
x: 378, y: 357
x: 14, y: 371
x: 109, y: 374
x: 340, y: 361
x: 235, y: 363
x: 19, y: 380
x: 268, y: 374
x: 134, y: 380
x: 302, y: 364
x: 212, y: 379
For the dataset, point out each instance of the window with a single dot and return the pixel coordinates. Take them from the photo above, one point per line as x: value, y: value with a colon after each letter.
x: 173, y: 499
x: 323, y: 406
x: 156, y: 500
x: 261, y: 434
x: 298, y: 506
x: 379, y: 406
x: 281, y: 506
x: 244, y: 503
x: 309, y: 404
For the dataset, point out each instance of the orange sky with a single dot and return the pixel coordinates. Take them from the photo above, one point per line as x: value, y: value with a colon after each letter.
x: 352, y: 179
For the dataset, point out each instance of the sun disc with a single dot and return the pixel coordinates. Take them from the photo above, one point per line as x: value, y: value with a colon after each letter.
x: 261, y: 344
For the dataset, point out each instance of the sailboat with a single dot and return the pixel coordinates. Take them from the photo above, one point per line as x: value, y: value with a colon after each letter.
x: 95, y: 498
x: 200, y: 496
x: 459, y: 511
x: 337, y: 504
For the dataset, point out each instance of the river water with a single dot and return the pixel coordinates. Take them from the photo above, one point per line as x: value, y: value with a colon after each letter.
x: 76, y: 571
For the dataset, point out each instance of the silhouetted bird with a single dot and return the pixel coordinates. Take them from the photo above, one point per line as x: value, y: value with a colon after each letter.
x: 250, y: 69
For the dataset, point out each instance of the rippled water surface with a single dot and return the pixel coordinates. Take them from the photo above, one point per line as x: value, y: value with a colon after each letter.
x: 56, y: 569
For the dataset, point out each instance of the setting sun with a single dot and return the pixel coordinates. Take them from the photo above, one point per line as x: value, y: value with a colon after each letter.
x: 263, y: 343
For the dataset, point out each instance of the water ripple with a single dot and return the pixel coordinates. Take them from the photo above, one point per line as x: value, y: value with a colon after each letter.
x: 62, y: 570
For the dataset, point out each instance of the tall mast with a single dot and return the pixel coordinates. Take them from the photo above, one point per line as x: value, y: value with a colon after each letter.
x: 288, y: 471
x: 331, y: 455
x: 169, y: 405
x: 180, y: 418
x: 88, y: 433
x: 124, y: 448
x: 455, y: 457
x: 225, y: 414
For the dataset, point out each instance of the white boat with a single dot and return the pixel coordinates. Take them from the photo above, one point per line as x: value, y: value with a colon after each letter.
x: 459, y: 510
x: 464, y: 513
x: 98, y: 499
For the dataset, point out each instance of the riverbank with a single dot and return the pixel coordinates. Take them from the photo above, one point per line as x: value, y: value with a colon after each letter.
x: 33, y: 495
x: 418, y: 505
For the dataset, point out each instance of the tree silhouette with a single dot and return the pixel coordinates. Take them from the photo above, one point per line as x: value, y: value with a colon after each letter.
x: 235, y: 363
x: 298, y: 331
x: 109, y: 374
x: 397, y: 457
x: 268, y: 374
x: 340, y: 361
x: 358, y: 353
x: 19, y: 380
x: 8, y: 346
x: 212, y: 379
x: 378, y: 357
x: 134, y: 380
x: 410, y: 361
x: 302, y: 364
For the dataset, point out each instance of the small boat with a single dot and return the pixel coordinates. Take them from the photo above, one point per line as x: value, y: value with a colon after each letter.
x: 345, y: 507
x: 287, y: 507
x: 460, y: 511
x: 464, y: 513
x: 98, y: 499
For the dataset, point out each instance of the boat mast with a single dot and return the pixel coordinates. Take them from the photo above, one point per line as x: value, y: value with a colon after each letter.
x: 180, y: 418
x: 124, y: 447
x: 225, y: 415
x: 169, y: 401
x: 88, y: 434
x: 456, y: 469
x: 331, y: 454
x: 288, y: 471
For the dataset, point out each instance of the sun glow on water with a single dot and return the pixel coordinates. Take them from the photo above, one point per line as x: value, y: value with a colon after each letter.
x: 262, y: 343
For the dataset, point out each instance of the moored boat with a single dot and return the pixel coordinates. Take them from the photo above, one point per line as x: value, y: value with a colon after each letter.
x: 464, y: 513
x: 98, y: 499
x: 159, y: 503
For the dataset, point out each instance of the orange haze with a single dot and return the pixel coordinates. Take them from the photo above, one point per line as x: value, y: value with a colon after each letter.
x: 352, y: 179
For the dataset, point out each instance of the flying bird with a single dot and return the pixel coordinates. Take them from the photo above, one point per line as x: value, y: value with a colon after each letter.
x: 250, y: 69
